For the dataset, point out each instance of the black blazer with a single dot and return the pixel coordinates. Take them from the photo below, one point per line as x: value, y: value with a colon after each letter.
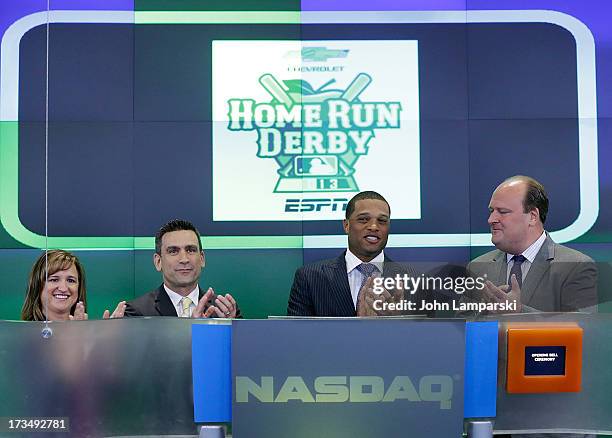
x: 322, y: 288
x: 158, y: 303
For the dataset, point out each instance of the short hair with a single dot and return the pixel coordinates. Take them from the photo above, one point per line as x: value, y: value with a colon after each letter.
x: 535, y: 196
x: 350, y: 207
x: 175, y: 225
x: 46, y: 265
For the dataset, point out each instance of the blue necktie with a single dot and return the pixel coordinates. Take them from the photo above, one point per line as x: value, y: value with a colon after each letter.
x: 516, y: 270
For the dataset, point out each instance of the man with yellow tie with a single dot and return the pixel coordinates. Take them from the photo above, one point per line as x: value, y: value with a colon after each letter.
x: 180, y: 259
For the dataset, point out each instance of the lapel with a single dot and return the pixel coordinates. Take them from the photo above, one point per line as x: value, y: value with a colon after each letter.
x: 163, y: 305
x: 538, y: 268
x: 389, y: 268
x: 500, y: 269
x: 337, y: 280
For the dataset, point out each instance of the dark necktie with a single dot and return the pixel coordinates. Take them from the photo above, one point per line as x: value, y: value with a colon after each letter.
x: 516, y: 270
x: 366, y: 269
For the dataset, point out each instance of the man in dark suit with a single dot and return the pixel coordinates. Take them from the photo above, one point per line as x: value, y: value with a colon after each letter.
x: 180, y: 259
x: 528, y: 269
x: 344, y: 286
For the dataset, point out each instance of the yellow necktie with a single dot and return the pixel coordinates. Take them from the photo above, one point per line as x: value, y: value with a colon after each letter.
x: 186, y: 303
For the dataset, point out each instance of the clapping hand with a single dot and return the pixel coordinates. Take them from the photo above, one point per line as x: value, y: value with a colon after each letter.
x: 224, y: 306
x: 79, y: 312
x: 117, y: 313
x: 505, y: 294
x: 376, y: 304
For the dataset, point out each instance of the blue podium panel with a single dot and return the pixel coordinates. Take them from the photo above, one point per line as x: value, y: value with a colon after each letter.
x: 211, y: 355
x: 347, y: 378
x: 480, y: 369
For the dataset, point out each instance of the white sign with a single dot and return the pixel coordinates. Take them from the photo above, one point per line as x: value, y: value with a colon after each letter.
x: 302, y: 126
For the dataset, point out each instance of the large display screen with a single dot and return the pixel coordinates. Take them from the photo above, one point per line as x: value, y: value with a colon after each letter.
x: 258, y: 125
x: 271, y: 128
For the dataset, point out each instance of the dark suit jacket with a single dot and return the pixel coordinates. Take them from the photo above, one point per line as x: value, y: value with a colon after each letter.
x: 322, y: 288
x: 560, y: 279
x: 157, y: 303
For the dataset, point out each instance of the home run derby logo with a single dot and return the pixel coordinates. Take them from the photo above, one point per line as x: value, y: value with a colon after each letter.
x: 315, y: 135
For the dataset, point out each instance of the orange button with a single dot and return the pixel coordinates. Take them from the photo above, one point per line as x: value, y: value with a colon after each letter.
x: 535, y: 357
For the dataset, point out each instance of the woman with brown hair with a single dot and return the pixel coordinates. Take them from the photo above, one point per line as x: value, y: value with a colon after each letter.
x: 56, y: 288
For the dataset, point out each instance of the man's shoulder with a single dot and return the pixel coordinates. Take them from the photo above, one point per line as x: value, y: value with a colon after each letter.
x: 561, y: 253
x: 486, y: 263
x: 320, y: 265
x: 487, y: 257
x: 143, y: 305
x: 145, y: 298
x: 566, y: 254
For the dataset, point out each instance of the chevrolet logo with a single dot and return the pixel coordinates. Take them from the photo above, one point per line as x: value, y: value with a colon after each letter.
x: 319, y: 54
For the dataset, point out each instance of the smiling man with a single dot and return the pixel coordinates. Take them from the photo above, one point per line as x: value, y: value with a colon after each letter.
x: 180, y: 259
x: 332, y: 287
x: 528, y: 269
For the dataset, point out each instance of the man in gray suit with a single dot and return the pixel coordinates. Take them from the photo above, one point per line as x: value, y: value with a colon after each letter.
x: 535, y: 273
x: 528, y: 269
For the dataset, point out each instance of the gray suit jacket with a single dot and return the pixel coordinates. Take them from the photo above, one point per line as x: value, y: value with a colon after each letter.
x: 560, y: 279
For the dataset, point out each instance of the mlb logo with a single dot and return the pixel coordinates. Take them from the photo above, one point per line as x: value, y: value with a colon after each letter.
x: 317, y: 165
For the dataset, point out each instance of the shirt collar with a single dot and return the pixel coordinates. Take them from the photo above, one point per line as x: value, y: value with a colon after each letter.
x: 352, y: 261
x: 176, y: 298
x: 531, y: 252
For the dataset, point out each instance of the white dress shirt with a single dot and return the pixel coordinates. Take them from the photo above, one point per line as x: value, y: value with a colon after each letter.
x: 177, y: 300
x: 529, y: 254
x: 354, y: 276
